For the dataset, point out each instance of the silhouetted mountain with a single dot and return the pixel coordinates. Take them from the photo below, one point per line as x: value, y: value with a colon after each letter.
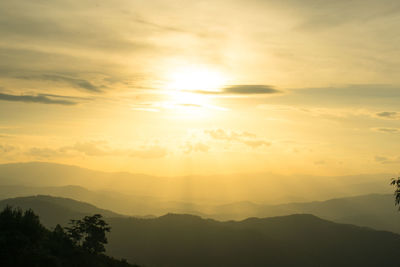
x: 187, y: 240
x: 56, y: 210
x: 296, y: 240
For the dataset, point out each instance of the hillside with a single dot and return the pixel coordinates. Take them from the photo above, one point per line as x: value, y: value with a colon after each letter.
x: 374, y: 210
x: 295, y: 240
x: 56, y: 210
x: 122, y: 203
x: 187, y: 240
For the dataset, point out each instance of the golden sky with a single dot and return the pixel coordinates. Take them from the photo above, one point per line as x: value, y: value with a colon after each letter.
x: 202, y: 87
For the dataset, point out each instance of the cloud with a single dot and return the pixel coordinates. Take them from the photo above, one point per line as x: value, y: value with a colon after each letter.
x: 221, y: 134
x: 91, y: 149
x: 388, y: 130
x: 98, y: 149
x: 75, y: 82
x: 43, y: 99
x: 7, y: 148
x: 256, y: 143
x: 196, y: 147
x: 250, y: 89
x: 46, y: 153
x: 318, y: 15
x: 387, y: 160
x: 243, y: 89
x: 245, y: 138
x: 390, y: 115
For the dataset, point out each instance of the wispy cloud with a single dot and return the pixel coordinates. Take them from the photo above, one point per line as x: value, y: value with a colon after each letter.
x: 75, y: 82
x: 98, y: 149
x: 387, y: 160
x: 388, y: 130
x: 42, y: 99
x: 389, y: 115
x: 243, y: 89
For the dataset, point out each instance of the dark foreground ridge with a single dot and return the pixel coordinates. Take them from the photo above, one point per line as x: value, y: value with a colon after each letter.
x: 295, y: 240
x: 24, y: 241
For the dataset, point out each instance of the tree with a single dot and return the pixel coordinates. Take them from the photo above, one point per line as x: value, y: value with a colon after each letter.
x: 396, y: 183
x: 24, y: 241
x: 89, y: 233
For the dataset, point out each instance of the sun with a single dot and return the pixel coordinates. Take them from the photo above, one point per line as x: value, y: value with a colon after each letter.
x: 195, y: 79
x: 189, y: 89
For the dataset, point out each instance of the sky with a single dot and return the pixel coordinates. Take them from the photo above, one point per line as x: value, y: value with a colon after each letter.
x: 202, y: 87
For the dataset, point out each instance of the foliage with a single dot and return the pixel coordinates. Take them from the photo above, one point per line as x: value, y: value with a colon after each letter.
x: 24, y: 241
x: 90, y: 233
x: 396, y: 183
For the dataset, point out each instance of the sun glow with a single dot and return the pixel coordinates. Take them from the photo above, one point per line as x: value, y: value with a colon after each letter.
x: 189, y: 89
x: 195, y: 79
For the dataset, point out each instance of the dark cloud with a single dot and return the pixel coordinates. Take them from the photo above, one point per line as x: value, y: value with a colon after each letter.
x: 243, y: 89
x: 77, y: 83
x: 249, y: 89
x: 43, y: 99
x: 392, y: 115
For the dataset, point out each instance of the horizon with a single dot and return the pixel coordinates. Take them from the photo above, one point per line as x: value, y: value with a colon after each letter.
x: 390, y: 175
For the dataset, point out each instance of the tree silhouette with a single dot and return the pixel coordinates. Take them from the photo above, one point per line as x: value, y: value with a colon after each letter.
x: 89, y: 233
x: 396, y: 183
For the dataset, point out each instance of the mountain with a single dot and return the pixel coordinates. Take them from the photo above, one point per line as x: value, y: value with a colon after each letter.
x: 187, y: 240
x: 295, y: 240
x: 185, y: 191
x: 119, y: 202
x: 374, y: 210
x: 56, y: 210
